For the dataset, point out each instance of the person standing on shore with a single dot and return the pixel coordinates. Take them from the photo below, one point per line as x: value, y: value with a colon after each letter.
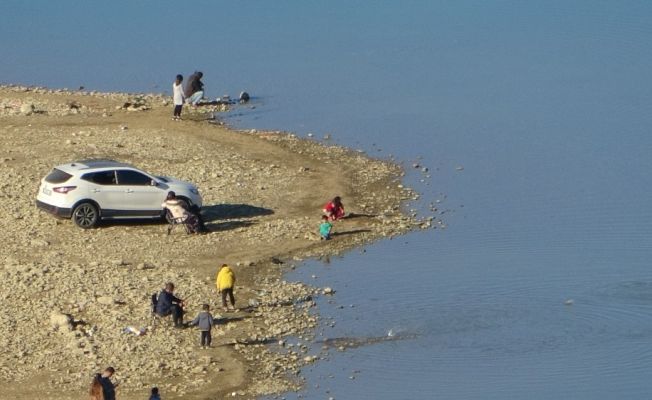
x: 194, y: 88
x: 108, y: 387
x: 225, y: 282
x: 177, y: 95
x: 204, y: 321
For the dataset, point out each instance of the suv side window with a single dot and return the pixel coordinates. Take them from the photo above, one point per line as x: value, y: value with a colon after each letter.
x: 100, y: 178
x: 128, y: 177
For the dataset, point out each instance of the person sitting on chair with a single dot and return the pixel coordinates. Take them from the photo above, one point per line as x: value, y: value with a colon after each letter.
x: 179, y: 212
x: 168, y: 303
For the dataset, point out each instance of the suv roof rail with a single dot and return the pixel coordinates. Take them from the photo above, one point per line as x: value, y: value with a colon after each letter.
x: 92, y: 160
x: 99, y: 163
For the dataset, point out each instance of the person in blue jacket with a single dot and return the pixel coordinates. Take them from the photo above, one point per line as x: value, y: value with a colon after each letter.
x: 168, y: 303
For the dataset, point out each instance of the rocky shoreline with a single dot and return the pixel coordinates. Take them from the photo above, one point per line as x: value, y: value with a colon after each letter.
x: 69, y: 294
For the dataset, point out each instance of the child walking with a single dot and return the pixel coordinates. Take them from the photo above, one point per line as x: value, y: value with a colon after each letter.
x: 225, y: 282
x: 204, y: 321
x: 325, y: 228
x: 177, y: 94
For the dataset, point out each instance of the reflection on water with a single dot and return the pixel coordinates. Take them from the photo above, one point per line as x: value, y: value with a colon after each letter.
x: 492, y: 327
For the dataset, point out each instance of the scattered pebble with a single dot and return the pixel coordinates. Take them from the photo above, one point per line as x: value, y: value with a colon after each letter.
x: 100, y: 283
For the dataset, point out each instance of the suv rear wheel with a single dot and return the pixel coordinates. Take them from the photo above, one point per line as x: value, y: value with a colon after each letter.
x: 85, y: 215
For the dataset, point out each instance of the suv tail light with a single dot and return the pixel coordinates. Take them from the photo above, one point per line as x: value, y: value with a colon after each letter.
x: 64, y: 189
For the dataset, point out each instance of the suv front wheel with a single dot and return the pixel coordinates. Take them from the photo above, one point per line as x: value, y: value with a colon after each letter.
x: 85, y: 215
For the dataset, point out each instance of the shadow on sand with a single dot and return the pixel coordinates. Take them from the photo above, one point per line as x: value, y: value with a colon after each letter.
x: 228, y: 225
x: 226, y: 320
x: 225, y: 211
x: 356, y: 215
x: 209, y: 213
x: 131, y: 222
x: 351, y: 232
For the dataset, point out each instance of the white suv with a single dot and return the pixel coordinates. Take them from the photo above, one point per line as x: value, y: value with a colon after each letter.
x: 90, y: 190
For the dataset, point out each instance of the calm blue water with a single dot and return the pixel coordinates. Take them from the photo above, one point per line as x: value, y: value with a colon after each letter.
x: 547, y: 108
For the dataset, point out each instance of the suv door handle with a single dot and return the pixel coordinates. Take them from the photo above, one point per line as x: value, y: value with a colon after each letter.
x: 129, y: 191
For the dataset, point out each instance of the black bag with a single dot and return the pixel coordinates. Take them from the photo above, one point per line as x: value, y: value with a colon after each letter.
x: 154, y: 302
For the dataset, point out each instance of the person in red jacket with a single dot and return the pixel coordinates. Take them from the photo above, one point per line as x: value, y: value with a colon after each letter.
x: 334, y: 209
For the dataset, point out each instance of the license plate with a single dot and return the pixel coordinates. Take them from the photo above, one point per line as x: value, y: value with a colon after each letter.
x: 46, y: 191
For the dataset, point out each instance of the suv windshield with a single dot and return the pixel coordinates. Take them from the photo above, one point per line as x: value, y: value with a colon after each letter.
x: 57, y: 176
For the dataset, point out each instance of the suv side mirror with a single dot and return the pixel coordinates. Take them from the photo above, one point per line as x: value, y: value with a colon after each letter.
x: 153, y: 182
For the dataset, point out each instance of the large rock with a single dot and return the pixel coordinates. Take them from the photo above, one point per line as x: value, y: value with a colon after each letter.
x: 328, y: 290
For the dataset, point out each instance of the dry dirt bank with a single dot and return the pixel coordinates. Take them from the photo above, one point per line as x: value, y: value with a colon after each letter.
x: 262, y: 195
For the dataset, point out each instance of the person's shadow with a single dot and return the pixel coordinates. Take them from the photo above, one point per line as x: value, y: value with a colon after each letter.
x: 359, y: 215
x: 229, y: 211
x: 234, y: 212
x: 350, y: 232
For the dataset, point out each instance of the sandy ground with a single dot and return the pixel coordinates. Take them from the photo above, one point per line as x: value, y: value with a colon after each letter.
x: 262, y: 194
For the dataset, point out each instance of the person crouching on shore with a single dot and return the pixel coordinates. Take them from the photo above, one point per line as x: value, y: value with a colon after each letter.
x: 334, y: 209
x: 194, y: 88
x: 325, y: 228
x: 225, y: 282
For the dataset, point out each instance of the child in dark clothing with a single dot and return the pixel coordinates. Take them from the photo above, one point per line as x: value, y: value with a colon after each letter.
x: 154, y: 395
x: 205, y: 322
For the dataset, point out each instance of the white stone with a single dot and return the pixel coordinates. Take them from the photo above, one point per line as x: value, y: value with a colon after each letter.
x: 27, y: 108
x: 61, y: 321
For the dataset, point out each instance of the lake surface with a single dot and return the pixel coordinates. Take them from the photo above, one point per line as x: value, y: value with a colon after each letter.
x: 540, y: 286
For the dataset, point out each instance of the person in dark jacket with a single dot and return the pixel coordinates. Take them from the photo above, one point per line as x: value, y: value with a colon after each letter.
x: 194, y: 88
x: 168, y: 303
x: 154, y: 394
x: 108, y: 387
x: 204, y: 321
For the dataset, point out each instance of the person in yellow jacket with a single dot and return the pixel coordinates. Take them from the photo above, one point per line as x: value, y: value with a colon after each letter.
x: 225, y: 282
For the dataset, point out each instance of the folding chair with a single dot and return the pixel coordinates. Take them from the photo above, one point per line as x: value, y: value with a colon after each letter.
x: 172, y: 222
